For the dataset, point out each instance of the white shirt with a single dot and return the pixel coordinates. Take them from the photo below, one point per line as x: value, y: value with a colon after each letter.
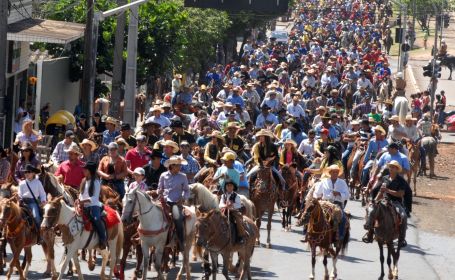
x: 306, y: 147
x: 326, y: 187
x: 366, y: 83
x: 309, y: 81
x: 95, y: 198
x: 225, y: 198
x: 295, y: 110
x: 162, y: 120
x: 412, y: 132
x: 36, y: 187
x: 395, y: 133
x: 317, y: 120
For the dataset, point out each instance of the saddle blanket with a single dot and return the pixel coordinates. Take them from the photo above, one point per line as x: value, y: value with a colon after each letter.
x: 109, y: 216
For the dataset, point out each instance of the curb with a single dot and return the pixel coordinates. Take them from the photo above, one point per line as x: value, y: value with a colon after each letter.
x: 412, y: 78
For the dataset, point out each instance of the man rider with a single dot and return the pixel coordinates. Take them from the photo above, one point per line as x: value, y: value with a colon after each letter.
x: 393, y: 188
x: 173, y: 185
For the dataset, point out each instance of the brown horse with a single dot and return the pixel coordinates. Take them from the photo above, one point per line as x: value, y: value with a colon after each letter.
x: 205, y: 177
x: 293, y: 180
x: 354, y: 182
x: 130, y: 233
x: 264, y: 195
x: 320, y: 216
x: 20, y: 234
x: 213, y: 232
x: 381, y: 216
x: 414, y: 161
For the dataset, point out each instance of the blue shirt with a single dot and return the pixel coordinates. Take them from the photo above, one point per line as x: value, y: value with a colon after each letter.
x: 235, y: 100
x: 109, y: 137
x: 185, y: 98
x: 260, y: 121
x: 174, y: 187
x: 333, y: 132
x: 374, y: 147
x: 231, y: 174
x: 239, y: 167
x: 202, y: 141
x: 402, y: 160
x: 191, y: 168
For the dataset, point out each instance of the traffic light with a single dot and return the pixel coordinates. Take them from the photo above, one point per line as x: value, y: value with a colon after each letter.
x: 446, y: 19
x: 437, y: 69
x: 428, y: 70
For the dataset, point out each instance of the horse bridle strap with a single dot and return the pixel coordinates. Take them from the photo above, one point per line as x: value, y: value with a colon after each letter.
x: 144, y: 232
x: 148, y: 232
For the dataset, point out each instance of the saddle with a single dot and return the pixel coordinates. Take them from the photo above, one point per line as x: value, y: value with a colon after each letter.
x: 108, y: 216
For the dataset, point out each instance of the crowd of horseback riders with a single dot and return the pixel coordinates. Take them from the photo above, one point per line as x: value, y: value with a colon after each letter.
x: 304, y: 125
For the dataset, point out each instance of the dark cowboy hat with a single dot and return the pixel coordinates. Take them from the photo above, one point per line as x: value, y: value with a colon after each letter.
x: 176, y: 124
x: 394, y: 145
x: 326, y: 116
x: 31, y: 168
x: 230, y: 182
x: 91, y: 166
x: 155, y: 154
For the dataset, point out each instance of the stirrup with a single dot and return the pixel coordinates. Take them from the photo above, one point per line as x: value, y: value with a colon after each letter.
x: 367, y: 238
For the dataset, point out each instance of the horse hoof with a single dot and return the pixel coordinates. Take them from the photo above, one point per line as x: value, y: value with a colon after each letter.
x: 268, y: 246
x: 91, y: 266
x: 311, y: 277
x: 46, y: 274
x: 70, y: 273
x: 258, y: 243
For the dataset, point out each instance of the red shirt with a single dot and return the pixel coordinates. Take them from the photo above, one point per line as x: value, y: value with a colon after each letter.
x: 136, y: 159
x: 72, y: 173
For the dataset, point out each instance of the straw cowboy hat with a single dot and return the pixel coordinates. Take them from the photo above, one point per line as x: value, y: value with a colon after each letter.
x: 111, y: 120
x: 388, y: 101
x: 410, y: 118
x: 175, y: 147
x: 227, y: 150
x: 321, y: 108
x: 219, y: 104
x: 90, y: 143
x: 156, y: 108
x: 380, y: 129
x: 333, y: 167
x: 264, y: 132
x: 217, y: 134
x: 290, y: 141
x: 232, y: 125
x: 395, y: 118
x: 175, y: 160
x: 122, y: 141
x: 395, y: 163
x: 73, y: 149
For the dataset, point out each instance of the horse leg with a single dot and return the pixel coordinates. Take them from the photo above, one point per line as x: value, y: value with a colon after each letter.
x: 91, y: 260
x: 139, y: 257
x: 70, y: 264
x: 125, y: 253
x: 381, y: 258
x: 158, y: 256
x: 145, y: 259
x: 28, y: 260
x: 70, y: 252
x: 214, y: 259
x: 112, y: 256
x: 14, y: 262
x: 389, y: 258
x: 226, y: 262
x: 269, y: 227
x: 313, y: 262
x: 283, y: 218
x: 396, y: 257
x: 414, y: 180
x: 326, y: 271
x: 450, y: 69
x: 334, y: 273
x: 77, y: 265
x: 258, y: 224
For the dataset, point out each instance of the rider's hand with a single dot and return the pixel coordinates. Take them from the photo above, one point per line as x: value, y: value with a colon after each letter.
x: 383, y: 189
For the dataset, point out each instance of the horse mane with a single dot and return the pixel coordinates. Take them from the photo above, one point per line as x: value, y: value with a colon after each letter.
x: 54, y: 182
x: 205, y: 197
x: 250, y: 209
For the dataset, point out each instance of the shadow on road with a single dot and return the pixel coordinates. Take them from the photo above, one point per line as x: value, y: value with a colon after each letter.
x: 261, y: 273
x: 354, y: 259
x: 287, y: 249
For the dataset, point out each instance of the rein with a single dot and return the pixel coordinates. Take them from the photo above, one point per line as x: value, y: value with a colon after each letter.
x: 139, y: 229
x: 11, y: 222
x: 212, y: 237
x: 325, y: 229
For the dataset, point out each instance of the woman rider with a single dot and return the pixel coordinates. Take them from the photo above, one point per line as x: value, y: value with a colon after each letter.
x: 213, y: 149
x: 330, y: 158
x: 265, y: 150
x: 89, y: 200
x: 27, y: 157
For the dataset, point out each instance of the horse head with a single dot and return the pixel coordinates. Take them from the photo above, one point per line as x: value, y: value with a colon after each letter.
x: 9, y: 209
x: 130, y: 205
x: 208, y: 226
x: 52, y: 213
x: 311, y: 206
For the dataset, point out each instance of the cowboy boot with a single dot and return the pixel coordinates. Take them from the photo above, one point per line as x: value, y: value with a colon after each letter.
x: 368, y: 237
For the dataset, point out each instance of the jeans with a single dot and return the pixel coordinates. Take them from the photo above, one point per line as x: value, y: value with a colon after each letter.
x: 94, y: 214
x: 178, y: 223
x: 443, y: 116
x: 34, y: 208
x: 366, y: 172
x: 345, y: 157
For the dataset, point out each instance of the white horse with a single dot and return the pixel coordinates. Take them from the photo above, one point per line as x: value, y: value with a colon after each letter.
x: 153, y: 229
x: 58, y: 213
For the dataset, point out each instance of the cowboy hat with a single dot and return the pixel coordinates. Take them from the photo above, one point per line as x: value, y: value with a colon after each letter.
x: 73, y: 148
x: 395, y: 163
x: 155, y: 154
x: 228, y: 156
x: 91, y: 166
x: 217, y: 134
x: 326, y: 116
x: 89, y: 142
x: 395, y: 118
x: 111, y: 120
x: 232, y: 183
x: 263, y: 132
x: 290, y: 141
x: 122, y: 141
x: 388, y: 101
x: 175, y: 160
x: 228, y: 150
x: 410, y: 118
x: 219, y: 104
x: 321, y: 108
x: 156, y: 108
x: 178, y: 76
x: 31, y: 168
x: 149, y: 122
x: 380, y: 129
x: 333, y: 167
x: 232, y: 125
x: 172, y: 144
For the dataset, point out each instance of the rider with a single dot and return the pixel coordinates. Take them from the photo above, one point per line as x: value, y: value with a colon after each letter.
x: 32, y: 194
x: 173, y: 185
x: 265, y: 150
x: 443, y: 49
x: 70, y: 172
x: 227, y: 172
x: 231, y: 200
x: 113, y: 169
x: 335, y: 190
x: 393, y: 188
x: 89, y: 200
x: 376, y: 144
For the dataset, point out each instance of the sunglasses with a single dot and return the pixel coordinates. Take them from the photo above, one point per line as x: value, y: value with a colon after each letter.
x: 25, y: 172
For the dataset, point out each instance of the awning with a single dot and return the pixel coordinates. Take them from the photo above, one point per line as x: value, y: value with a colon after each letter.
x: 45, y: 31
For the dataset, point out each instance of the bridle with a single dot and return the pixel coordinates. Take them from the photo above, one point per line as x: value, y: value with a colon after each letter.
x: 136, y: 200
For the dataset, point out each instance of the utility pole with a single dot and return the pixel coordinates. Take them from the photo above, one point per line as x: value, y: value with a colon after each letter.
x: 129, y: 113
x: 117, y: 71
x: 414, y: 10
x: 3, y: 53
x: 403, y: 38
x: 90, y: 49
x: 434, y: 80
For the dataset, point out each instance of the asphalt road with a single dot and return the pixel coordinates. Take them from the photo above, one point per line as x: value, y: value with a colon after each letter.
x: 290, y: 259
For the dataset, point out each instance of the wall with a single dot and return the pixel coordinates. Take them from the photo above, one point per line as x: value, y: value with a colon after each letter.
x: 56, y: 87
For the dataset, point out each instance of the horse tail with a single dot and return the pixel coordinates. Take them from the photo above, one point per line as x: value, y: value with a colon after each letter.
x: 120, y: 240
x: 345, y: 241
x: 199, y: 251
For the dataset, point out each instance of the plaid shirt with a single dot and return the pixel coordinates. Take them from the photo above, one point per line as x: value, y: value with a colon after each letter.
x: 59, y: 155
x: 191, y: 168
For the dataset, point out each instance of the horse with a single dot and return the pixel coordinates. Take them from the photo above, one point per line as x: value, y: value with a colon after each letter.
x: 294, y: 183
x: 383, y: 93
x: 449, y: 62
x: 20, y: 234
x: 264, y: 196
x: 321, y: 231
x: 54, y: 188
x: 205, y: 177
x: 130, y: 232
x: 414, y: 160
x: 354, y: 182
x: 154, y: 229
x: 212, y: 231
x: 57, y: 213
x: 382, y: 217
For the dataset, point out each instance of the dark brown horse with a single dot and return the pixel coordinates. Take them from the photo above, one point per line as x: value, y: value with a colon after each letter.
x: 381, y: 216
x: 264, y: 195
x: 354, y: 182
x: 293, y: 179
x: 213, y: 232
x: 321, y: 218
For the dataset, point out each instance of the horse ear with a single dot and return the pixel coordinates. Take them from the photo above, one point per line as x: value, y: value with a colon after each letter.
x: 198, y: 212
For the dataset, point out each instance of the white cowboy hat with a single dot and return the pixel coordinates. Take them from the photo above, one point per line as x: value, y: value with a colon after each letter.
x: 217, y: 134
x: 395, y: 118
x: 410, y: 118
x: 111, y: 120
x: 380, y: 129
x: 156, y: 108
x: 73, y: 148
x: 175, y: 160
x: 290, y: 141
x: 171, y: 143
x: 89, y: 142
x: 264, y: 132
x: 395, y: 163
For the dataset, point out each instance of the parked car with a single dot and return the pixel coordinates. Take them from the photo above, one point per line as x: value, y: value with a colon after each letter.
x: 279, y: 36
